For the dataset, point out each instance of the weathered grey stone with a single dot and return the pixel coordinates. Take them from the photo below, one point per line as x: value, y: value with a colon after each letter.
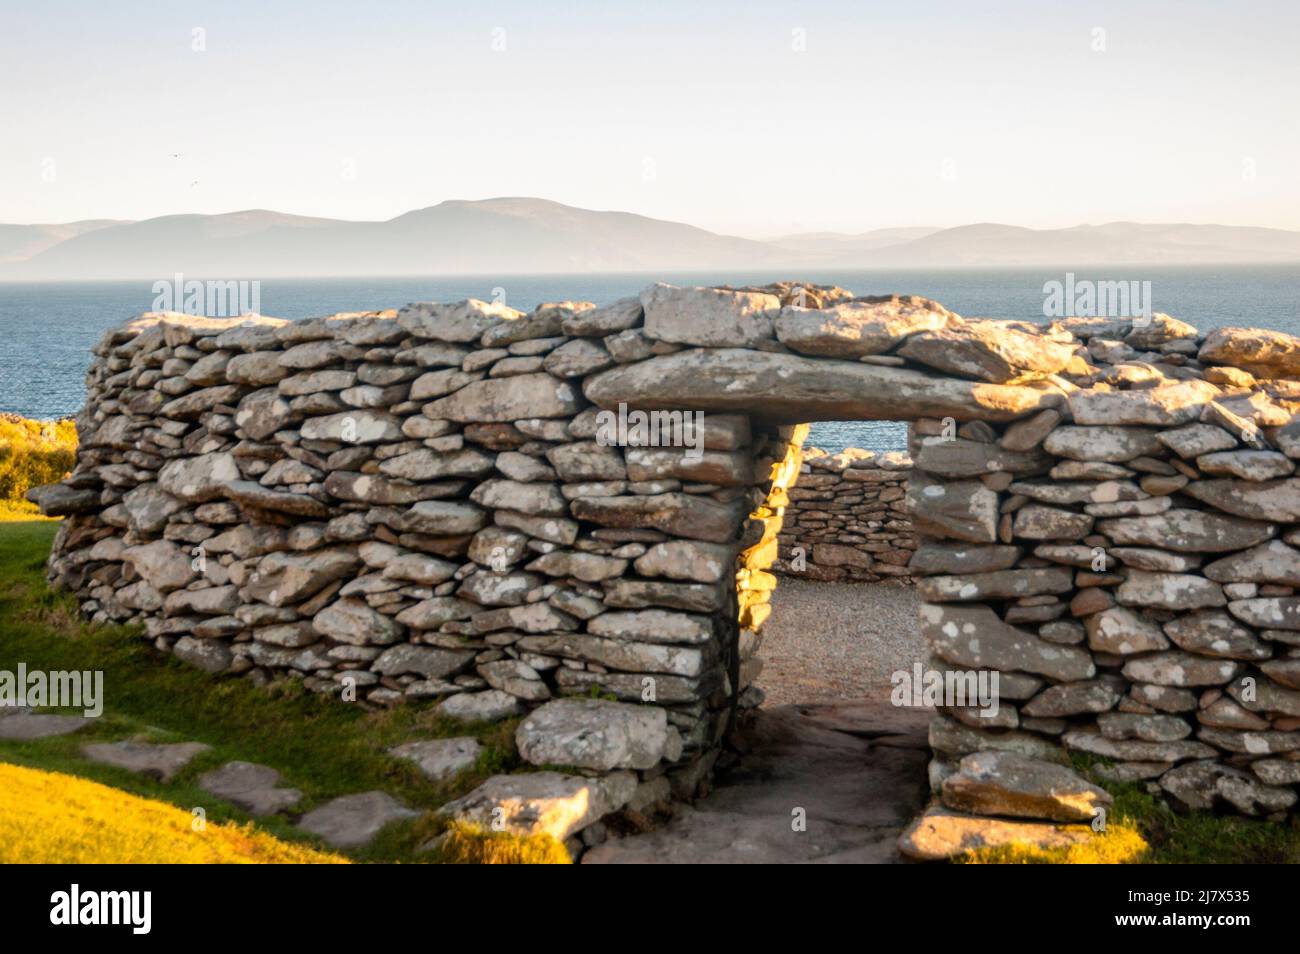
x: 162, y: 564
x: 1270, y: 612
x: 159, y: 761
x: 577, y: 358
x: 210, y: 655
x: 723, y: 468
x: 1271, y: 562
x: 1215, y: 633
x: 934, y: 556
x: 1004, y: 783
x: 606, y: 320
x: 986, y: 350
x: 1148, y: 728
x: 540, y: 803
x: 962, y: 509
x: 198, y: 479
x: 354, y: 820
x: 1037, y: 522
x: 1186, y: 530
x: 460, y: 322
x: 428, y: 464
x: 1173, y: 668
x: 1121, y: 631
x: 352, y: 621
x: 1260, y: 351
x: 975, y: 637
x: 426, y: 661
x: 1168, y: 405
x: 1194, y: 440
x: 507, y: 399
x: 684, y: 515
x: 687, y: 661
x: 1000, y: 584
x: 1198, y: 786
x: 637, y: 594
x: 254, y: 788
x: 854, y: 328
x: 250, y: 494
x: 594, y: 734
x: 1253, y: 465
x: 444, y: 517
x: 708, y: 317
x: 1105, y: 444
x: 652, y: 626
x: 1135, y: 750
x: 1074, y: 698
x: 441, y: 760
x: 515, y: 677
x: 940, y: 834
x: 792, y: 389
x: 687, y: 560
x: 1173, y: 591
x: 284, y: 578
x: 353, y: 427
x: 1276, y: 771
x: 536, y: 499
x: 1255, y: 500
x: 491, y: 705
x: 956, y: 457
x: 587, y: 460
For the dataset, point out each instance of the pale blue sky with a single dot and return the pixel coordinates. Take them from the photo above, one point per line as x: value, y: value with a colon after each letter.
x: 907, y: 113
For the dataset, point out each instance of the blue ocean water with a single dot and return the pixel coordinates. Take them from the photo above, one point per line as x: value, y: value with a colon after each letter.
x: 47, y: 329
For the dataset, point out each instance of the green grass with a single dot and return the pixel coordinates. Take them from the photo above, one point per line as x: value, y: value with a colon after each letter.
x: 326, y: 748
x: 322, y: 746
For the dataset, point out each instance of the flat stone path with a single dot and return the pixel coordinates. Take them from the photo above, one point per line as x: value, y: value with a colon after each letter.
x: 23, y: 725
x: 829, y: 641
x: 160, y: 761
x: 353, y: 820
x: 855, y: 771
x: 254, y: 788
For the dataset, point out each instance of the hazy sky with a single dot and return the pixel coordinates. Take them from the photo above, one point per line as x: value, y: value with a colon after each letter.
x: 755, y: 118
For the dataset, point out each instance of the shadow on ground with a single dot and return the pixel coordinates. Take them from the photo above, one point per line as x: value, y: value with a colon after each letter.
x: 854, y: 771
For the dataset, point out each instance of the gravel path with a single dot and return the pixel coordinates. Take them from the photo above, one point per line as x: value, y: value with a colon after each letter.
x: 828, y: 641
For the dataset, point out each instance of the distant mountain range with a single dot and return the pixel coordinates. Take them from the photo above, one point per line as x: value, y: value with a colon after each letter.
x: 524, y: 235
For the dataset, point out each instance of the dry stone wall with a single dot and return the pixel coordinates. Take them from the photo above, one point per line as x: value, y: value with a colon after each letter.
x: 847, y: 519
x: 446, y: 504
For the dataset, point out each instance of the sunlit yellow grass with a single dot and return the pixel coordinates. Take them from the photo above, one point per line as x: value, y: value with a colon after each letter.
x: 33, y: 453
x: 467, y: 844
x: 49, y: 817
x: 1121, y: 844
x: 12, y: 511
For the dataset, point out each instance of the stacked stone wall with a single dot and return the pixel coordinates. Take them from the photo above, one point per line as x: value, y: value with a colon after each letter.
x: 424, y: 506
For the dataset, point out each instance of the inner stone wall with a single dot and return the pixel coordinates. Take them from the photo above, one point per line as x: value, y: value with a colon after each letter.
x: 425, y: 505
x: 847, y: 519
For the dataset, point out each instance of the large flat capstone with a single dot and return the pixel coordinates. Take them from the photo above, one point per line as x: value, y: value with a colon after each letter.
x: 793, y: 389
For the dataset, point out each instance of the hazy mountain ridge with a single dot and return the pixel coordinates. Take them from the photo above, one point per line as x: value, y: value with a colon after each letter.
x: 528, y: 235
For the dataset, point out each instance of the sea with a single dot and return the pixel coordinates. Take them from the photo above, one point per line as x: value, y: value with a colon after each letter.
x: 48, y: 328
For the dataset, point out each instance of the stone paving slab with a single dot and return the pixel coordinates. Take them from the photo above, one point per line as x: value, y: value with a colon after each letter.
x: 440, y: 759
x: 857, y: 794
x: 353, y: 820
x: 23, y: 725
x: 254, y: 788
x: 160, y: 761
